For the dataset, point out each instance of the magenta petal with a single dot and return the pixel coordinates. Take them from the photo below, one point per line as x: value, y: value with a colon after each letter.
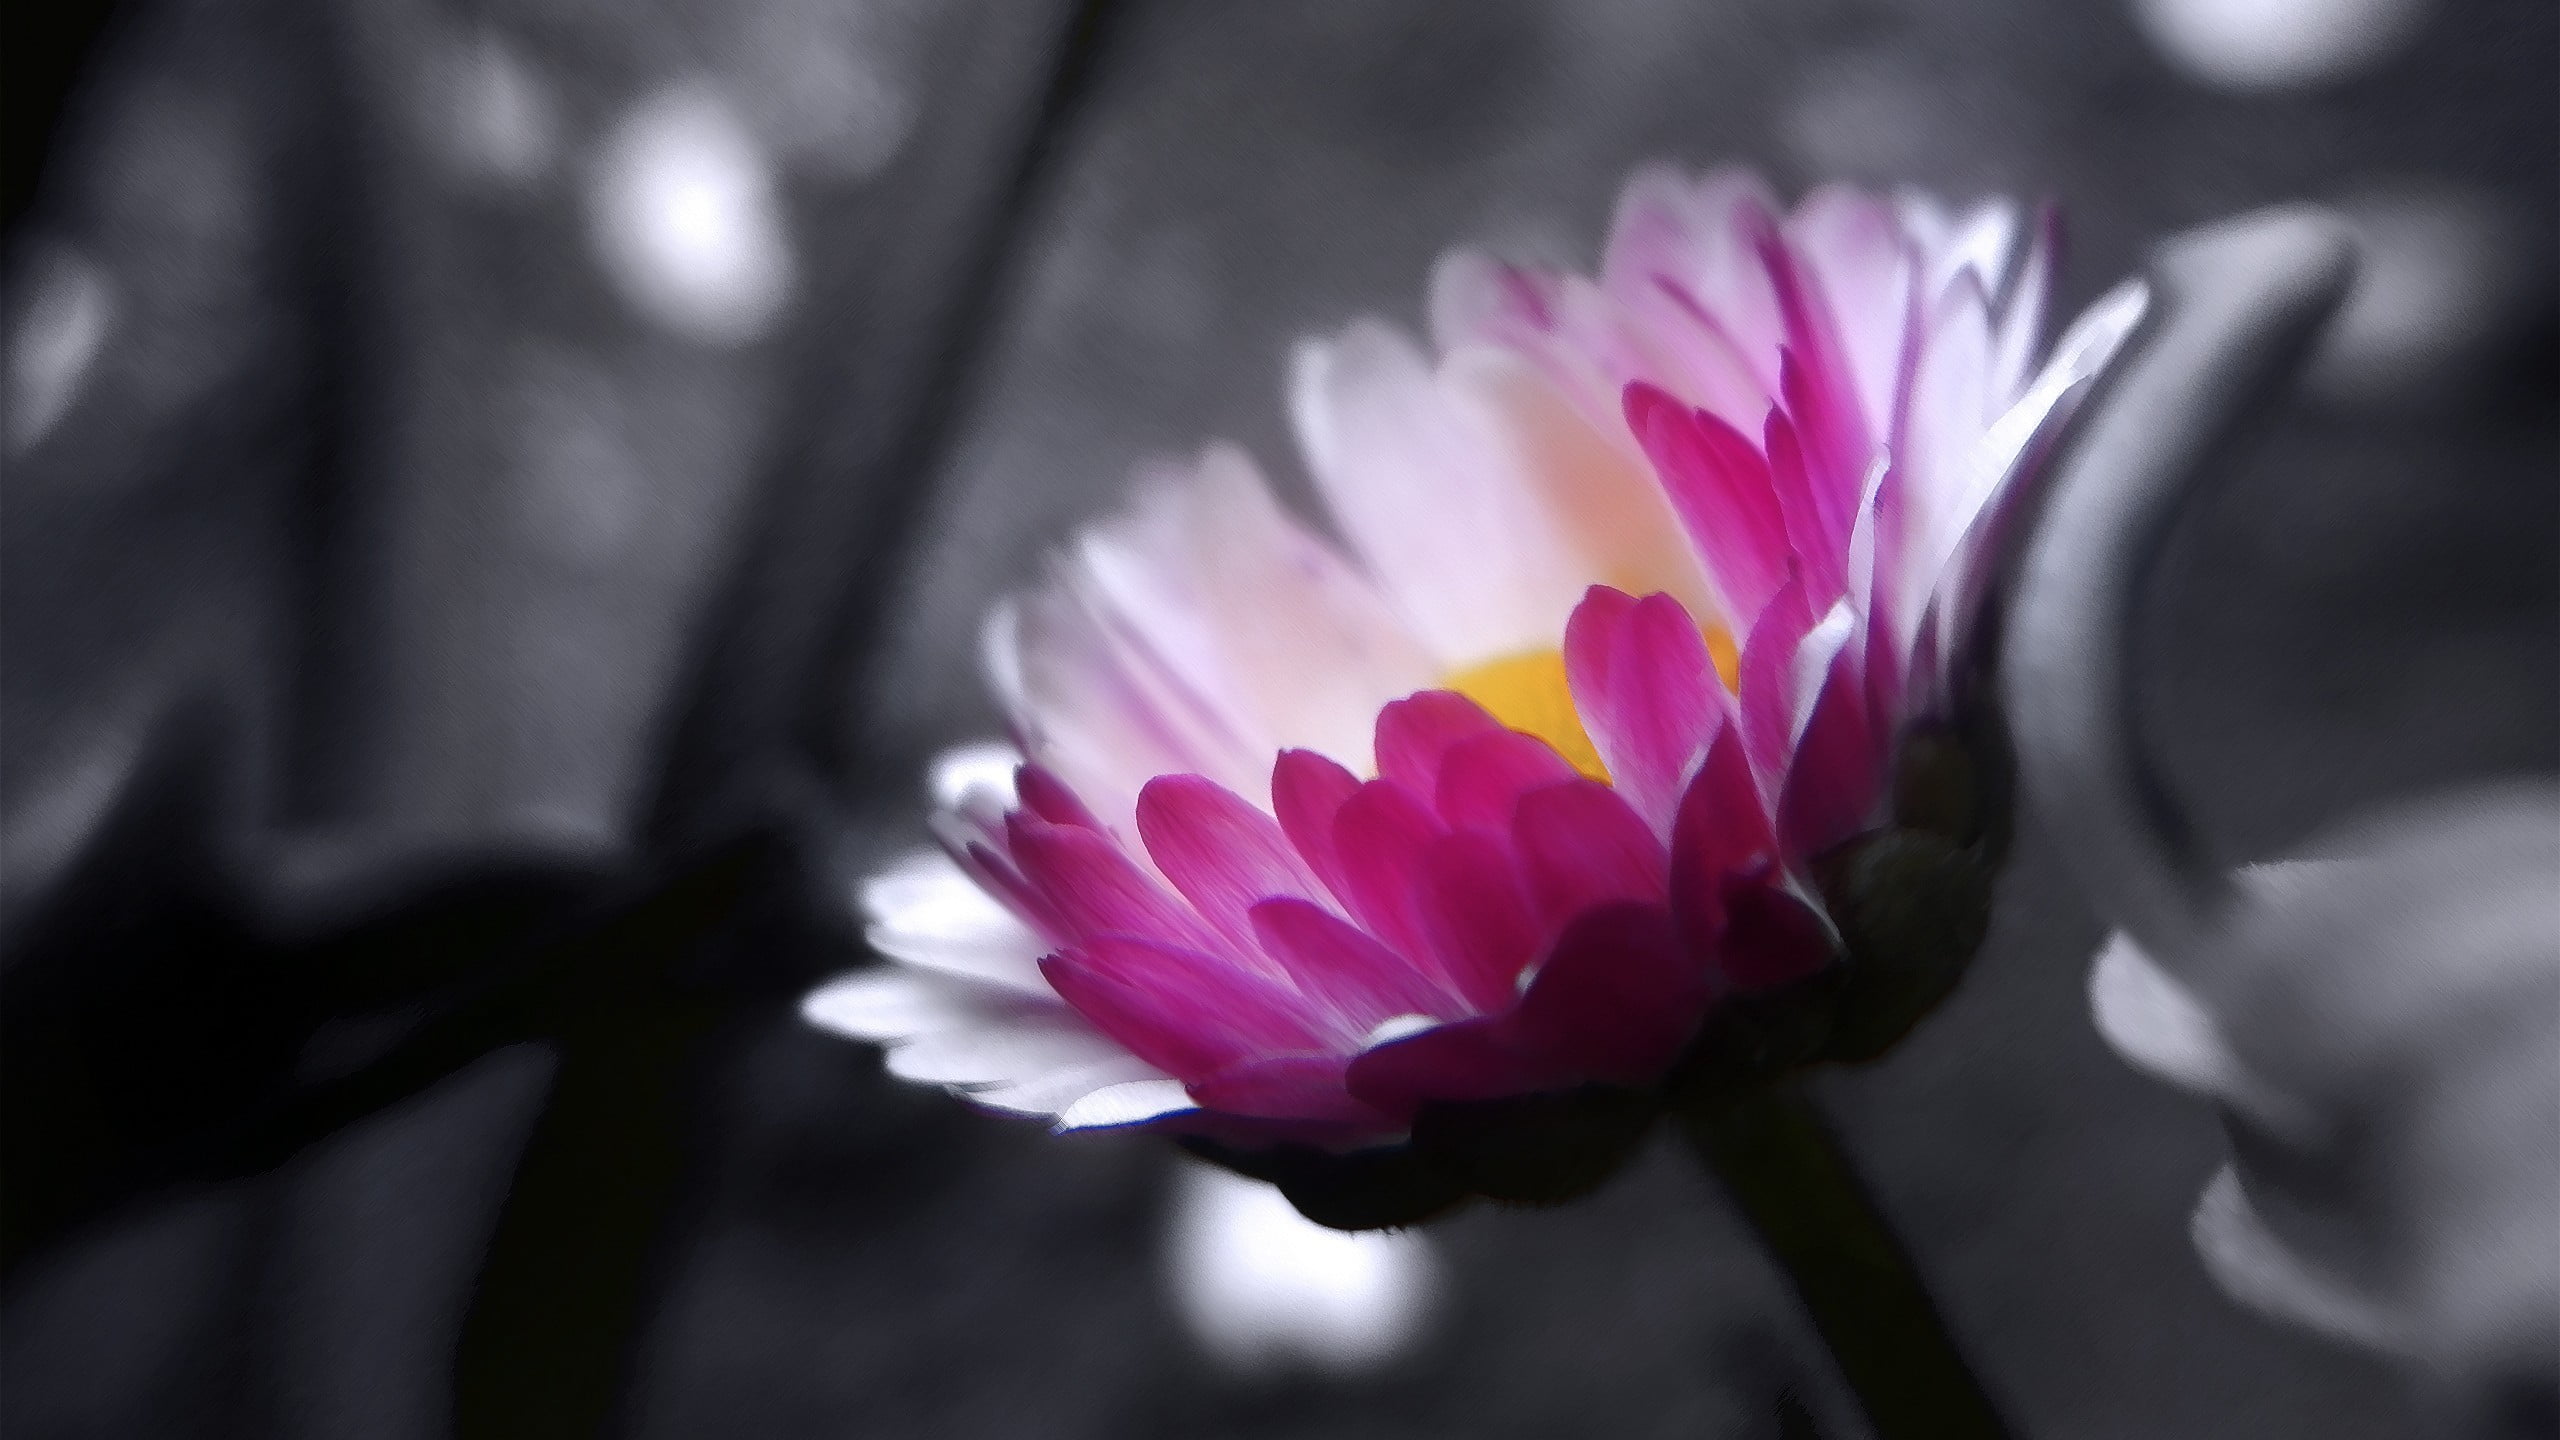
x: 1616, y: 1001
x: 1580, y: 846
x: 1052, y: 799
x: 997, y: 875
x: 1184, y: 1012
x: 1770, y: 938
x: 1821, y: 552
x: 1834, y: 450
x: 1415, y: 733
x: 1722, y: 831
x: 1307, y: 791
x: 1482, y: 779
x: 1648, y: 691
x: 1379, y: 838
x: 1093, y: 888
x: 1465, y: 1061
x: 1224, y: 855
x: 1590, y: 638
x: 1478, y: 918
x: 1719, y: 486
x: 1343, y: 970
x: 1287, y: 1087
x: 1822, y: 397
x: 1834, y: 780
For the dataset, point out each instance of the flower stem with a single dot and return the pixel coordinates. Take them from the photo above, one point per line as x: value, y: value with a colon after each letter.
x: 1776, y: 1156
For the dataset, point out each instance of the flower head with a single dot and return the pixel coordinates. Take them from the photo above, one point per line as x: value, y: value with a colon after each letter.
x: 1627, y: 735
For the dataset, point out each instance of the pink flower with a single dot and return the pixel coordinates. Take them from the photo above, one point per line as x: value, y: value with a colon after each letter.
x: 1641, y: 687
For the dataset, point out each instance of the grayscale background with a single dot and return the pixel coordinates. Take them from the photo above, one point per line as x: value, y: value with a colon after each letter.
x: 463, y: 630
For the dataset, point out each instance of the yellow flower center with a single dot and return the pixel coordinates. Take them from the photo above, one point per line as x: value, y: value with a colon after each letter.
x: 1528, y: 692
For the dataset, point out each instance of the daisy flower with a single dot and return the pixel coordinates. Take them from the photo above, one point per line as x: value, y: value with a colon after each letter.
x: 1622, y: 728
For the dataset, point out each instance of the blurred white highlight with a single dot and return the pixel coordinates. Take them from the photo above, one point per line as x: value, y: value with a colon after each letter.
x: 982, y: 765
x: 2277, y: 44
x: 65, y: 327
x: 1266, y: 1290
x: 686, y: 219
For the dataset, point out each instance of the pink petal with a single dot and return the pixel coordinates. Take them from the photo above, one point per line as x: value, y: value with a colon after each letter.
x: 1820, y: 395
x: 1045, y: 795
x: 1468, y: 1060
x: 1182, y: 1011
x: 1719, y: 485
x: 1482, y: 779
x: 1478, y: 918
x: 1380, y: 836
x: 1580, y: 846
x: 1722, y: 831
x: 1648, y: 692
x: 1415, y: 732
x: 1818, y: 500
x: 1287, y: 1087
x: 1616, y: 1001
x: 1224, y: 855
x: 1093, y: 888
x: 1835, y: 778
x: 996, y: 873
x: 1307, y: 791
x: 1342, y: 970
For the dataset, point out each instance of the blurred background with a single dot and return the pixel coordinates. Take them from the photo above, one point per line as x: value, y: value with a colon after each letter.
x: 499, y: 497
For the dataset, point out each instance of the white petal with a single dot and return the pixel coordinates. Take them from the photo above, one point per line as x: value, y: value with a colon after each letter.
x: 2083, y: 351
x: 1692, y: 233
x: 1812, y: 665
x: 1958, y: 538
x: 1944, y: 417
x: 1287, y: 635
x: 1051, y: 1093
x: 2023, y: 298
x: 1003, y: 1050
x: 1099, y: 708
x: 927, y: 912
x: 1608, y: 508
x: 1433, y: 497
x: 1983, y: 240
x: 892, y: 1003
x: 1132, y: 1103
x: 1854, y: 245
